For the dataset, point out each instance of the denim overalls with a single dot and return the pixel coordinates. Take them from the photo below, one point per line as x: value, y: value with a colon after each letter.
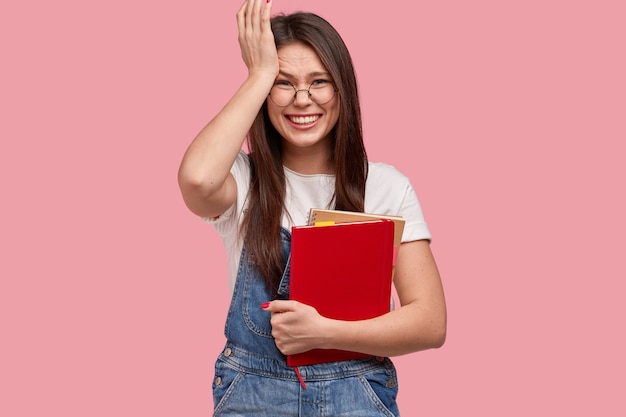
x: 252, y: 377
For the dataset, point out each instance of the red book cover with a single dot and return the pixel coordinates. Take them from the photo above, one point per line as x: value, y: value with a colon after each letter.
x: 344, y: 270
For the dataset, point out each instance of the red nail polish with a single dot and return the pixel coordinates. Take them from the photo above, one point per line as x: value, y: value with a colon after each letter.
x: 265, y: 305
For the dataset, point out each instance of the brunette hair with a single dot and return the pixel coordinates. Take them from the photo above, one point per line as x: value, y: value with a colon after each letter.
x: 261, y: 225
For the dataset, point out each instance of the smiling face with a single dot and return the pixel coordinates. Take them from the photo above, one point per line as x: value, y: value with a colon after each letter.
x: 303, y: 125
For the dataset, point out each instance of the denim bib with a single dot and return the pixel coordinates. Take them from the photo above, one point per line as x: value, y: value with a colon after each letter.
x: 252, y: 377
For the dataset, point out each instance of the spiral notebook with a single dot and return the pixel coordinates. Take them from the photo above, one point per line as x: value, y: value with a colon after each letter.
x: 344, y: 270
x: 317, y: 215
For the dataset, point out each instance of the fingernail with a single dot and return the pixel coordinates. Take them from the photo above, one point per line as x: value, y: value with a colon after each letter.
x: 265, y: 305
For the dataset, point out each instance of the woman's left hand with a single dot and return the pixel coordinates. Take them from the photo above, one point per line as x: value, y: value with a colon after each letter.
x: 296, y: 327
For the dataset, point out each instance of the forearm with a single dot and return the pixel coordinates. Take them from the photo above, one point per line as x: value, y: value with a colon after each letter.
x: 411, y: 328
x: 208, y: 159
x: 419, y: 324
x: 204, y: 174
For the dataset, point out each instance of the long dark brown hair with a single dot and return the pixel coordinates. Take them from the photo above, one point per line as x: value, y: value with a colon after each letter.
x: 262, y: 222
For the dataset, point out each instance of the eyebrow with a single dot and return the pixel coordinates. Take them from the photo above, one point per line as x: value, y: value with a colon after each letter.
x: 309, y: 75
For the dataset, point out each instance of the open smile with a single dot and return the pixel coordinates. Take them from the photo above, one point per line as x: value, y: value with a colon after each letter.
x: 304, y: 120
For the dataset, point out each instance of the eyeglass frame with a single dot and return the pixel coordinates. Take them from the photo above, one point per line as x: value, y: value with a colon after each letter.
x: 308, y: 91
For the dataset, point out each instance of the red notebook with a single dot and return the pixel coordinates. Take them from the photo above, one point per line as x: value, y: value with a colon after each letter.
x: 344, y: 270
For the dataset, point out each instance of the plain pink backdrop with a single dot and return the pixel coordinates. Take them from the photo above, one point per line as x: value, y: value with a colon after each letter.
x: 508, y: 116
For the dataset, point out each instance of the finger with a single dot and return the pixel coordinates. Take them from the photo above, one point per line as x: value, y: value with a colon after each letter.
x: 241, y: 17
x: 267, y: 14
x: 279, y: 306
x: 243, y: 7
x: 268, y: 7
x: 257, y: 7
x: 258, y: 14
x: 250, y: 13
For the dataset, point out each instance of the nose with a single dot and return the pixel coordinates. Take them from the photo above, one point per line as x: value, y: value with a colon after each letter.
x: 302, y: 99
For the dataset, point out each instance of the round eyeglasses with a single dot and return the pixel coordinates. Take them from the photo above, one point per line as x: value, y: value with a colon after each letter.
x: 320, y: 92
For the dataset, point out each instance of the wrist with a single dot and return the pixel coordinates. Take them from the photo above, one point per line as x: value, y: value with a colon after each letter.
x: 329, y: 329
x: 262, y: 76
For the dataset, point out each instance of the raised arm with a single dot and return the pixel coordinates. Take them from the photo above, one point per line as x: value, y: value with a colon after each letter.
x: 204, y: 177
x: 419, y: 323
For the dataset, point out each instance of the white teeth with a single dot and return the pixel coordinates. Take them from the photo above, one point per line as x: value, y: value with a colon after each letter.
x: 304, y: 120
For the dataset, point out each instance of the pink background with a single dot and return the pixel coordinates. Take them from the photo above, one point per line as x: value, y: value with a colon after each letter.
x: 508, y: 116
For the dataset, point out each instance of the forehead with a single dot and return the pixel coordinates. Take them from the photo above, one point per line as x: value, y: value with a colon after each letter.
x: 299, y: 60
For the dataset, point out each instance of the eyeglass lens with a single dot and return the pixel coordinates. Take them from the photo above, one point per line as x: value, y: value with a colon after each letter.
x: 320, y: 92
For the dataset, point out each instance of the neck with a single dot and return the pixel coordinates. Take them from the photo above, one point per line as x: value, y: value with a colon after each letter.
x: 308, y: 161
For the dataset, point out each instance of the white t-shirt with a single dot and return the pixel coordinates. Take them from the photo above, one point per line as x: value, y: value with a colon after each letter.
x: 387, y: 191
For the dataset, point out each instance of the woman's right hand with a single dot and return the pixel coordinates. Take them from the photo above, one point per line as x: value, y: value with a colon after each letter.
x: 256, y: 39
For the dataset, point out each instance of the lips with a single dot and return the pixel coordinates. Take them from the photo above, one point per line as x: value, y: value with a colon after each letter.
x: 304, y: 120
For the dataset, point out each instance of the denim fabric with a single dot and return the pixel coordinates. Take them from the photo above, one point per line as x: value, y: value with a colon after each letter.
x: 252, y: 377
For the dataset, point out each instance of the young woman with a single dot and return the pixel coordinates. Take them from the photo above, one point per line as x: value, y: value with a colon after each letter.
x: 299, y: 110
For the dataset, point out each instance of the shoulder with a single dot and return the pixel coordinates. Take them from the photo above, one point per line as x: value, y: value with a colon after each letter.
x: 380, y: 171
x: 389, y: 191
x: 386, y: 188
x: 384, y: 177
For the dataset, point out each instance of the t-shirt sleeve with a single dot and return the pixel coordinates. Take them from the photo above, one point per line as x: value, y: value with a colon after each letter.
x: 390, y: 192
x: 228, y: 221
x: 415, y: 227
